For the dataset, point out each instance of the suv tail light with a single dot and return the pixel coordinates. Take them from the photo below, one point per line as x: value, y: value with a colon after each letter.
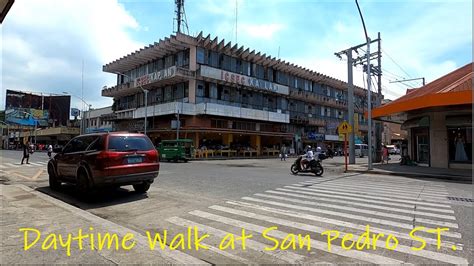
x: 109, y: 158
x: 152, y: 156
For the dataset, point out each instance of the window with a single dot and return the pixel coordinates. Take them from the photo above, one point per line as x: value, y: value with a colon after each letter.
x: 127, y: 143
x: 460, y: 144
x: 79, y: 144
x: 200, y: 55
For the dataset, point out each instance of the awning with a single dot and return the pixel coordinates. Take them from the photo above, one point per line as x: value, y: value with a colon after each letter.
x: 416, y: 122
x: 460, y: 120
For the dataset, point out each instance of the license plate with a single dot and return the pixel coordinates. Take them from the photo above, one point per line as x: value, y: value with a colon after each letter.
x: 134, y: 160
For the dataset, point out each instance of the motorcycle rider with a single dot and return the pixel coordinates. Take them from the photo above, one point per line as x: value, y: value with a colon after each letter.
x: 309, y: 157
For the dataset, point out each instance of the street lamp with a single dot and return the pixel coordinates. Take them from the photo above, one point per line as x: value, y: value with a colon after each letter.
x: 146, y: 97
x: 82, y: 113
x: 369, y: 104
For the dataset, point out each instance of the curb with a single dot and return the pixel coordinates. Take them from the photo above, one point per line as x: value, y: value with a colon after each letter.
x: 457, y: 178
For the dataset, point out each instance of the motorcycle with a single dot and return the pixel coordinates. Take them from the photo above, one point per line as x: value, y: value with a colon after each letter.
x: 313, y: 166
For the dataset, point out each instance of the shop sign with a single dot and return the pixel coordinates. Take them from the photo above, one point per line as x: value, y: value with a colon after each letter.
x: 155, y: 76
x: 315, y: 136
x: 243, y: 80
x: 332, y: 137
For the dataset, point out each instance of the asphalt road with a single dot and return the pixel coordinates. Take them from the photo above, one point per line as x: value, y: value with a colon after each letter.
x: 223, y: 197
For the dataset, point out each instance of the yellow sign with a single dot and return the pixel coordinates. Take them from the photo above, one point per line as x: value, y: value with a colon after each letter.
x: 344, y: 128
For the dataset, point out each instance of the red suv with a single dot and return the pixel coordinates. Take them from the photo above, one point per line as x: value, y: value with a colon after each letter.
x: 105, y: 159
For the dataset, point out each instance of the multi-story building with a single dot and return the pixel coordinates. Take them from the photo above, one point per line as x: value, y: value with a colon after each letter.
x: 99, y: 120
x: 227, y: 96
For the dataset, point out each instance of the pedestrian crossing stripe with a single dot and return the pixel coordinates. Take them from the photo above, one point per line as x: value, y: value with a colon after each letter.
x: 311, y: 228
x: 36, y: 164
x: 398, y: 197
x: 367, y: 198
x: 281, y: 235
x: 283, y: 255
x: 372, y: 206
x: 364, y: 219
x: 321, y: 219
x: 376, y: 213
x: 1, y: 166
x: 12, y: 165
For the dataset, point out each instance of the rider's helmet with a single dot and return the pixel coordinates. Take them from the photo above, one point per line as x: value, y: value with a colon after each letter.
x: 308, y: 148
x: 318, y: 149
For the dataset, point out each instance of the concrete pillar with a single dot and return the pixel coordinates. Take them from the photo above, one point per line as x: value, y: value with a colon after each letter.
x: 193, y: 67
x: 439, y: 155
x: 227, y: 139
x: 196, y: 140
x: 255, y: 141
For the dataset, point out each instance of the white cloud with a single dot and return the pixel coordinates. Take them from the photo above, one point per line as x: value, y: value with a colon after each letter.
x: 263, y: 31
x: 45, y: 43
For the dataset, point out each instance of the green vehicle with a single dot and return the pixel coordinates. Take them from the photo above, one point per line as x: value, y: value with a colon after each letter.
x: 180, y: 149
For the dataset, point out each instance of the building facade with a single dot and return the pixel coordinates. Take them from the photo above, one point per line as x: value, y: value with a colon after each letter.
x: 99, y: 120
x: 438, y: 118
x: 228, y: 97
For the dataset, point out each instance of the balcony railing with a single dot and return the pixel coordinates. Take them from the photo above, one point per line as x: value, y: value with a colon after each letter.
x: 320, y: 99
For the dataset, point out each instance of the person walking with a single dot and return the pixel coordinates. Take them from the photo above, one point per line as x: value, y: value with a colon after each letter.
x: 26, y: 152
x: 283, y: 153
x: 50, y: 150
x: 384, y: 154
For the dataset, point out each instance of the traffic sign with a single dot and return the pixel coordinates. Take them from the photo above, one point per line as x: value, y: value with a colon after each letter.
x: 344, y: 128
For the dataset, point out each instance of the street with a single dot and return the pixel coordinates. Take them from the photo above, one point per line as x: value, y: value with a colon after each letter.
x: 226, y: 196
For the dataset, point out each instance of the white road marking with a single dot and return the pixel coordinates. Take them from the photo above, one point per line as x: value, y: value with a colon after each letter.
x: 321, y: 219
x: 356, y: 210
x: 384, y: 185
x: 284, y: 255
x: 387, y: 195
x: 314, y: 243
x: 381, y: 188
x: 361, y: 255
x: 350, y: 202
x: 2, y: 166
x: 36, y: 164
x: 365, y: 219
x: 12, y: 165
x: 365, y: 198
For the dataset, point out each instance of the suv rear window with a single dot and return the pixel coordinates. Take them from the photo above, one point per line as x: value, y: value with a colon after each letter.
x: 130, y: 143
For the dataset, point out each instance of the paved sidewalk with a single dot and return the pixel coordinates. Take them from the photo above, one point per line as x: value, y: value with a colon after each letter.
x: 22, y: 207
x: 459, y: 175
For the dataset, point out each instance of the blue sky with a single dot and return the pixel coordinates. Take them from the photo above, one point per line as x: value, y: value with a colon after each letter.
x: 44, y: 51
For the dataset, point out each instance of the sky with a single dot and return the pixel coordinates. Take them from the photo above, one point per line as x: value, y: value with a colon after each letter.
x: 56, y: 46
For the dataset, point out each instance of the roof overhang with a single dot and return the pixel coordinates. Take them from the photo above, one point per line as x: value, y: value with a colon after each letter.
x: 5, y: 6
x: 427, y: 101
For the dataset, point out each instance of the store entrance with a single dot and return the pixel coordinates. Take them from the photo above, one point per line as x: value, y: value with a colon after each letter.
x: 421, y: 145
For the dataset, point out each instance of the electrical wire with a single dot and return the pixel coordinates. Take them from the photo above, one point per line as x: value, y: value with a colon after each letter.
x: 385, y: 52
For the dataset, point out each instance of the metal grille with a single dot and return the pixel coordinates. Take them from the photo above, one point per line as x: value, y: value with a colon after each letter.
x: 460, y: 199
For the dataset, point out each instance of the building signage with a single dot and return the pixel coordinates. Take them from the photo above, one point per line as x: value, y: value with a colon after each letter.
x: 315, y: 136
x: 243, y: 80
x: 155, y: 76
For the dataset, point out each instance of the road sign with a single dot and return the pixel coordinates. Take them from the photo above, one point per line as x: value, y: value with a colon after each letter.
x: 344, y: 128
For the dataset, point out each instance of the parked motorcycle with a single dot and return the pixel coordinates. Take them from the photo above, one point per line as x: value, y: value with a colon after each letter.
x: 313, y: 166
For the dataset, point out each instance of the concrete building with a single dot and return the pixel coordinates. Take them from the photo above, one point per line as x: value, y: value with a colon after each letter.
x: 99, y: 120
x: 438, y: 118
x: 228, y: 97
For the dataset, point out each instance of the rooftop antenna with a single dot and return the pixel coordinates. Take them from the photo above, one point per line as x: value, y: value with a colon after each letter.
x: 236, y: 15
x: 180, y: 17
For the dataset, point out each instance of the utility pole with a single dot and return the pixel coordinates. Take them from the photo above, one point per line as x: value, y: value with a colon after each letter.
x: 350, y: 100
x: 351, y: 62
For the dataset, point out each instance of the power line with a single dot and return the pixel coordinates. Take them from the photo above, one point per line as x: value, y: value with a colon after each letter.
x: 383, y: 51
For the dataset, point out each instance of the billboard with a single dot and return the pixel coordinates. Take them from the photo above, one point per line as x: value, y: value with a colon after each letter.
x: 27, y: 109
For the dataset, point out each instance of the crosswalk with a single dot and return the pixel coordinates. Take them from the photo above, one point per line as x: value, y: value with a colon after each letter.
x: 5, y: 166
x: 386, y: 205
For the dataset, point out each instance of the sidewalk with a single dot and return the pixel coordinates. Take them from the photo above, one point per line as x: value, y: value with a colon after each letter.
x: 23, y: 207
x: 459, y: 175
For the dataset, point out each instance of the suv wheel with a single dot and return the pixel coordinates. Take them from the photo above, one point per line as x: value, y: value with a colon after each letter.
x: 54, y: 184
x: 82, y: 184
x: 142, y: 187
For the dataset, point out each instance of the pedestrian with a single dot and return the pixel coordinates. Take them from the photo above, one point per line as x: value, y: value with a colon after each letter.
x: 384, y: 154
x: 26, y: 152
x: 50, y: 150
x: 283, y: 153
